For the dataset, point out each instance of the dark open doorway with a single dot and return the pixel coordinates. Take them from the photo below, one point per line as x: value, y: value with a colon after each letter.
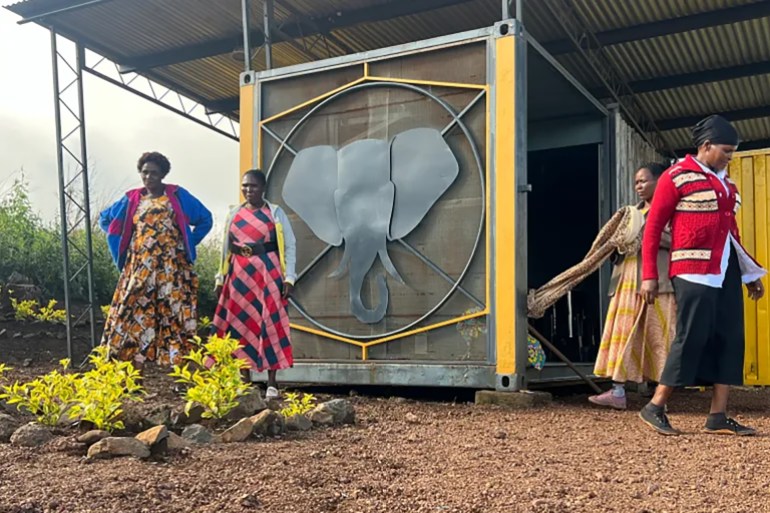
x: 563, y: 219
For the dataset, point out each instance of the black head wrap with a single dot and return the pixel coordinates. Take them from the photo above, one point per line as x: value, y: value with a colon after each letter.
x: 716, y: 129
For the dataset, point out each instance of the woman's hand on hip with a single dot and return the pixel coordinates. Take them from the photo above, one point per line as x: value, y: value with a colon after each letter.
x: 288, y: 288
x: 649, y: 291
x: 756, y: 290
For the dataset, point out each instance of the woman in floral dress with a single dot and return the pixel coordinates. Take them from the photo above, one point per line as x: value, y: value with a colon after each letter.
x: 152, y: 233
x: 256, y: 278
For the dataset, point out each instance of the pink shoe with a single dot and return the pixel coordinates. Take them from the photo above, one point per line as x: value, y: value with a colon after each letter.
x: 607, y: 399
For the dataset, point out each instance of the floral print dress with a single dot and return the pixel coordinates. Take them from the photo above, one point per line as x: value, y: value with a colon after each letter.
x: 154, y: 310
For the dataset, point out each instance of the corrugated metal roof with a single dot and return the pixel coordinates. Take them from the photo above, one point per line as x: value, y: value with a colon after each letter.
x: 125, y: 30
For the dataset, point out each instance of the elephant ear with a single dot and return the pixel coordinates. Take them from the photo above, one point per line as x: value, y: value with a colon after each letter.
x: 422, y: 168
x: 309, y: 191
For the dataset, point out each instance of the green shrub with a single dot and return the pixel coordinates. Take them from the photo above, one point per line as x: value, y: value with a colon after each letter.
x: 47, y: 397
x: 296, y: 405
x: 216, y: 386
x: 102, y: 391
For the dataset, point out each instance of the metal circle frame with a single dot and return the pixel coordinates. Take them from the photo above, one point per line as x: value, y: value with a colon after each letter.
x: 479, y: 166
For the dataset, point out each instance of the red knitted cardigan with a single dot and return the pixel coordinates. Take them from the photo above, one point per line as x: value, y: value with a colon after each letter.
x: 701, y: 216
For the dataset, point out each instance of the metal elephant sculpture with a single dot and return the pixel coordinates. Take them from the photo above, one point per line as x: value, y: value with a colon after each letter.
x: 367, y: 193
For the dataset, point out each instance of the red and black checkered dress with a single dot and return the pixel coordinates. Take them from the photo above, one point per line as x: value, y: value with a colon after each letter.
x: 250, y: 306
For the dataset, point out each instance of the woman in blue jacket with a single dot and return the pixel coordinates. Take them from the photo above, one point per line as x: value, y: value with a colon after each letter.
x: 152, y: 233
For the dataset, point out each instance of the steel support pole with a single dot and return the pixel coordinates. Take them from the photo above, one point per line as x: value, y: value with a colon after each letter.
x: 81, y: 63
x: 62, y: 191
x: 267, y: 28
x: 506, y: 8
x: 246, y: 41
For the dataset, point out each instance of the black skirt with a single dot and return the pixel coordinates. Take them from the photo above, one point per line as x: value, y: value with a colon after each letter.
x: 709, y: 345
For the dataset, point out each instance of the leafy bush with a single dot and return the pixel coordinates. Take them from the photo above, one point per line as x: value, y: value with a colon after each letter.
x: 29, y: 310
x: 296, y: 405
x: 24, y: 310
x: 102, y: 391
x: 50, y: 313
x: 216, y: 382
x: 47, y: 397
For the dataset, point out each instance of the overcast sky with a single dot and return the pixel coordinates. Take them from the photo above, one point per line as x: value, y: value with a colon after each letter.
x: 120, y: 127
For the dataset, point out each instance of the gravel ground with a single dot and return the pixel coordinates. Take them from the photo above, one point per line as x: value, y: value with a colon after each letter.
x: 411, y: 456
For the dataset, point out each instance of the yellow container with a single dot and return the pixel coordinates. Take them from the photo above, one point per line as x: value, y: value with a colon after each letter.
x: 750, y: 171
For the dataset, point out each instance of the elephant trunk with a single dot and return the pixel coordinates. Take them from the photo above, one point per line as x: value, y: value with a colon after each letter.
x: 363, y: 314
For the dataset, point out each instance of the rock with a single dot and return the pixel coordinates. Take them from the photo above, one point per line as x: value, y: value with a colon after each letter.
x: 197, y: 434
x: 27, y: 361
x: 250, y: 501
x: 118, y: 446
x: 180, y: 418
x: 298, y: 423
x: 153, y: 436
x: 239, y: 432
x: 31, y: 435
x: 248, y: 405
x: 177, y: 443
x: 16, y: 278
x: 8, y: 425
x: 411, y: 418
x: 268, y: 423
x: 133, y: 420
x: 514, y: 400
x: 160, y: 416
x: 501, y: 435
x: 341, y: 410
x: 91, y: 437
x: 320, y: 417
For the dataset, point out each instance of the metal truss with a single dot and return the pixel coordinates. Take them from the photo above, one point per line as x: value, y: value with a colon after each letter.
x: 72, y: 162
x: 589, y: 46
x: 170, y: 99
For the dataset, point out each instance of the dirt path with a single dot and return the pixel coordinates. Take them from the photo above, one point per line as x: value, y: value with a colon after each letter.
x: 568, y: 457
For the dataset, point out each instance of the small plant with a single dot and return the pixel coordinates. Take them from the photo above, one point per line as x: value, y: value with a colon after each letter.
x: 204, y: 326
x: 3, y: 369
x: 50, y: 313
x: 47, y: 397
x: 296, y: 405
x: 103, y: 390
x: 24, y: 310
x: 105, y: 310
x: 216, y: 382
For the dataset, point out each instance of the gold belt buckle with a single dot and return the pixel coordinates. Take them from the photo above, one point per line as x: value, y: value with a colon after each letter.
x: 246, y: 251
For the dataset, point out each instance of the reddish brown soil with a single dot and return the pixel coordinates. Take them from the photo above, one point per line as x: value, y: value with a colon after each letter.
x: 569, y: 457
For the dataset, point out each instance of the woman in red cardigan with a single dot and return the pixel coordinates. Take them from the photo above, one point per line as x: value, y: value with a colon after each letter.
x: 707, y: 267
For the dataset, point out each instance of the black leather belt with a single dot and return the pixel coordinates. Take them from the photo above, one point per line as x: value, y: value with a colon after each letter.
x: 256, y: 248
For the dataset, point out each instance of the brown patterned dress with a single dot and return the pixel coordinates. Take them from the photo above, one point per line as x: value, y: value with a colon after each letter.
x: 153, y: 312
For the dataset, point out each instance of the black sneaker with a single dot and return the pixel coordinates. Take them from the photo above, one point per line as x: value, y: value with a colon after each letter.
x: 657, y: 419
x: 724, y: 425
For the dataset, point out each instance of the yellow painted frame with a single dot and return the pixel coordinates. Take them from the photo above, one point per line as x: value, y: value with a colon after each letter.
x: 751, y: 172
x: 364, y: 78
x: 506, y: 317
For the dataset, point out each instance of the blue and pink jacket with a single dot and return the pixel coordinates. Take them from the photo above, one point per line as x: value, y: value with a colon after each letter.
x: 117, y: 221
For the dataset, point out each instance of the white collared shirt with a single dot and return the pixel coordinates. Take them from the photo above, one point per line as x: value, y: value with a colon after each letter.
x: 750, y: 271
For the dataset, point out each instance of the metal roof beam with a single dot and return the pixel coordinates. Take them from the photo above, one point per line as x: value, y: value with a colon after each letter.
x: 223, y: 106
x: 65, y: 7
x: 733, y: 115
x: 293, y: 29
x: 698, y: 21
x: 694, y: 78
